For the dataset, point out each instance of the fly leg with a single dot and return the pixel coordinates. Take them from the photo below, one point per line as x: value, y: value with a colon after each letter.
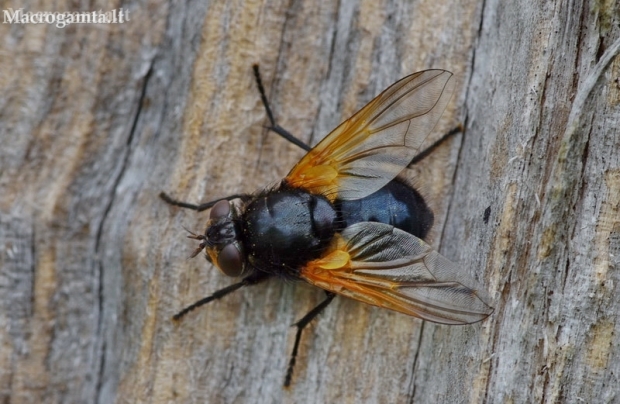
x: 274, y: 126
x: 301, y: 324
x: 202, y: 206
x: 424, y: 153
x: 252, y: 279
x: 288, y: 136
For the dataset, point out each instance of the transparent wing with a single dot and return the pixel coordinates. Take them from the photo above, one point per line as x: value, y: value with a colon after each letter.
x: 378, y: 264
x: 373, y: 146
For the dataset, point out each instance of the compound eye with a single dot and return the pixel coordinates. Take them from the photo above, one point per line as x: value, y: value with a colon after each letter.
x: 220, y: 209
x: 230, y: 261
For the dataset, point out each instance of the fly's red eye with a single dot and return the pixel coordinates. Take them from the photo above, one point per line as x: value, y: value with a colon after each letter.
x: 220, y: 209
x: 229, y: 261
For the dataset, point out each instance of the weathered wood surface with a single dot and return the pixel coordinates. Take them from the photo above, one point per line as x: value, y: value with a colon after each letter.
x: 95, y: 120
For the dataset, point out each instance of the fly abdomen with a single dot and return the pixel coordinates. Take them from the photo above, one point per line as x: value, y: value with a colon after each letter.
x: 396, y: 204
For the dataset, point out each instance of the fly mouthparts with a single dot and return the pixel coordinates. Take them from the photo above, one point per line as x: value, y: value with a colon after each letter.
x: 196, y: 251
x: 194, y: 236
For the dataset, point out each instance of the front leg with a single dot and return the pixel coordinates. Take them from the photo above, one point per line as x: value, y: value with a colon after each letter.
x: 202, y: 206
x: 253, y: 279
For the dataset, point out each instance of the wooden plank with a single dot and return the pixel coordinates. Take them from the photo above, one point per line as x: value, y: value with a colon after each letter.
x: 96, y: 120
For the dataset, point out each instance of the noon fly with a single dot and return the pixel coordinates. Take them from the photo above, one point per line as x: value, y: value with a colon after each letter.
x: 344, y: 219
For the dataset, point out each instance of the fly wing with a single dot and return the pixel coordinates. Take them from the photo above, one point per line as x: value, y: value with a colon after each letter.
x: 378, y: 264
x: 373, y: 146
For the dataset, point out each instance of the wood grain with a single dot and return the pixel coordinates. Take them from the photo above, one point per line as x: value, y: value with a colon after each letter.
x: 97, y: 119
